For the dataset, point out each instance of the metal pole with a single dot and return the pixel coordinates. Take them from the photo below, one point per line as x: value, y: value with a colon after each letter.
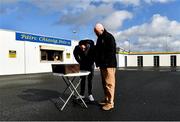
x: 167, y: 40
x: 74, y: 33
x: 129, y: 45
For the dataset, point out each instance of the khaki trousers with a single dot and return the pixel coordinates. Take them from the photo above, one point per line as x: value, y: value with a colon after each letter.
x: 108, y: 81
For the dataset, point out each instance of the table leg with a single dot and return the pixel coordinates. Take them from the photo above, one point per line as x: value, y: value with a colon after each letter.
x: 77, y: 92
x: 72, y: 92
x: 68, y: 84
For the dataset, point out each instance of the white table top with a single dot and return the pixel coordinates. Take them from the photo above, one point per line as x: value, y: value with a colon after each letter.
x: 80, y: 73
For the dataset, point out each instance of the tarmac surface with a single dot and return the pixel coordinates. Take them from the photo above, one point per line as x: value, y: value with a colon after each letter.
x: 140, y: 95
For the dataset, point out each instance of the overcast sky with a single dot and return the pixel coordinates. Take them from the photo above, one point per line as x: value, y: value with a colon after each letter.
x: 141, y: 25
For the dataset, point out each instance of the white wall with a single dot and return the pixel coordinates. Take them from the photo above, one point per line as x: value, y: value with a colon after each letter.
x: 28, y: 55
x: 120, y: 60
x: 165, y: 60
x: 178, y: 60
x: 10, y: 65
x: 132, y: 61
x: 148, y: 60
x: 70, y: 49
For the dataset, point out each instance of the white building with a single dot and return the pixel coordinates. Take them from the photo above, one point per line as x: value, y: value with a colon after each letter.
x: 149, y: 59
x: 22, y: 53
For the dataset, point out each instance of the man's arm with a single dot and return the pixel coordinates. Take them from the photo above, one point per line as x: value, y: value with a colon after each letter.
x: 111, y: 45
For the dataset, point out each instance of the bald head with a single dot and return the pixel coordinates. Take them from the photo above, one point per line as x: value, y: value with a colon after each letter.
x: 98, y: 29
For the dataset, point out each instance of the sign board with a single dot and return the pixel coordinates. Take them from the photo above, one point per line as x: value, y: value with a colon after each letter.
x: 41, y: 39
x: 12, y: 53
x: 68, y: 55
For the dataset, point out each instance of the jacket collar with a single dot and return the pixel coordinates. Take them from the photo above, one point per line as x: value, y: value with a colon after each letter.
x: 103, y: 34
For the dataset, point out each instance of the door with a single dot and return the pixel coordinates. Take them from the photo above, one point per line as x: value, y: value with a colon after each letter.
x: 125, y: 59
x: 140, y: 61
x: 173, y: 61
x: 156, y: 61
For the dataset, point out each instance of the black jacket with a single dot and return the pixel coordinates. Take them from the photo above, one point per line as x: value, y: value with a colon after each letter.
x: 105, y: 51
x: 85, y: 59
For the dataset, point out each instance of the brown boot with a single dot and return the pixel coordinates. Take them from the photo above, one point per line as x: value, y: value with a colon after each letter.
x: 108, y: 107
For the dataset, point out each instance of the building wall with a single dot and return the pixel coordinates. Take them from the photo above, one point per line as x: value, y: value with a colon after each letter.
x: 132, y: 61
x: 10, y: 65
x: 120, y: 60
x: 165, y: 60
x: 33, y: 63
x: 148, y: 60
x: 178, y: 60
x: 27, y: 58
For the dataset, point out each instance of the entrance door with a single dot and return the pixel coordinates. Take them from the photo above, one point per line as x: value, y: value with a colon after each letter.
x: 173, y: 61
x: 125, y: 59
x: 156, y: 61
x: 140, y: 61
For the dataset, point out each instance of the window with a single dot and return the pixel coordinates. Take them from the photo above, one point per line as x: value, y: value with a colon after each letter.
x: 156, y: 61
x: 51, y: 54
x: 140, y: 61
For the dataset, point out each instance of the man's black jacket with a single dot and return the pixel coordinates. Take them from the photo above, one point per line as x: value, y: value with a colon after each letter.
x: 105, y: 51
x: 85, y: 59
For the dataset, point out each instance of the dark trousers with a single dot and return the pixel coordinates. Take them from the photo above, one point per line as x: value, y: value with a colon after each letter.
x: 83, y: 80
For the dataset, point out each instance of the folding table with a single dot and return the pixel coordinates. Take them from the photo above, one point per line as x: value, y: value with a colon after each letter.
x: 70, y: 79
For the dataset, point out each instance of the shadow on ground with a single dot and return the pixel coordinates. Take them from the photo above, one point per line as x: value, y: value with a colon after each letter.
x: 38, y: 95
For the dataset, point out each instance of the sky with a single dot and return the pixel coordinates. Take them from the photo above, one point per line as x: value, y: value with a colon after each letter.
x: 137, y: 25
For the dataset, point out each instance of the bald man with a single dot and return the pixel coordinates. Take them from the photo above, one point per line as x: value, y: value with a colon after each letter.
x: 106, y: 61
